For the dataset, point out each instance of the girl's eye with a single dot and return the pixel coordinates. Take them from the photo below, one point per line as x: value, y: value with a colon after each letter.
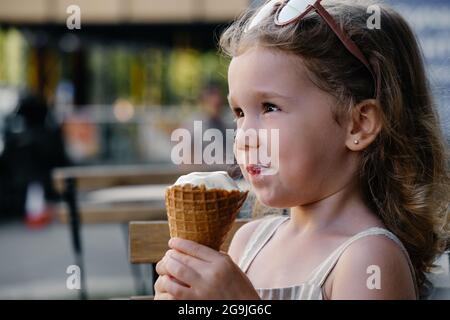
x: 269, y: 107
x: 238, y: 113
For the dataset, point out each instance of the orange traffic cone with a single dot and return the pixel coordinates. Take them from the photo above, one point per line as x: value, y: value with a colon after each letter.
x: 38, y: 213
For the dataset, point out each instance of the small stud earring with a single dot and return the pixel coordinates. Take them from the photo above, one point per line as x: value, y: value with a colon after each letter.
x: 356, y: 142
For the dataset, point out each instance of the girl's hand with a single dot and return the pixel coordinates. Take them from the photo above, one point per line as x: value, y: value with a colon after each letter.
x: 160, y: 294
x: 160, y: 291
x: 193, y: 271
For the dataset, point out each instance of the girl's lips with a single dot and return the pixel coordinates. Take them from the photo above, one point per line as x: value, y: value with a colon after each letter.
x: 255, y: 169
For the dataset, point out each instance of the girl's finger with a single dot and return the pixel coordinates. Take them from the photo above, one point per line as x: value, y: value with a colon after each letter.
x: 193, y: 249
x: 164, y: 296
x: 160, y: 267
x: 181, y: 272
x: 161, y: 270
x: 190, y: 261
x: 178, y: 281
x: 159, y: 284
x: 175, y: 289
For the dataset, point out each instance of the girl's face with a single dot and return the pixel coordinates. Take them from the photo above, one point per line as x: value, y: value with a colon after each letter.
x: 269, y: 89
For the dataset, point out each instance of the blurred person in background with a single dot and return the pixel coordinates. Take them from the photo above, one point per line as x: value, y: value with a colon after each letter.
x: 210, y: 114
x: 33, y: 147
x: 212, y: 103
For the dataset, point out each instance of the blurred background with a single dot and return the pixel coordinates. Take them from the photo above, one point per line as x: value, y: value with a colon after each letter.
x: 108, y: 96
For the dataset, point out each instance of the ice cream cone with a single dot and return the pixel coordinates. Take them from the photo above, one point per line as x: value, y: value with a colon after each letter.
x: 202, y: 215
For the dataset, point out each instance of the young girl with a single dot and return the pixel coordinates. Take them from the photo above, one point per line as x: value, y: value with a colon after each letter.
x: 362, y: 162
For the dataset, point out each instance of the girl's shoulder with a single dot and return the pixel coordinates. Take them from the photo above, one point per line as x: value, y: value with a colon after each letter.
x: 374, y: 267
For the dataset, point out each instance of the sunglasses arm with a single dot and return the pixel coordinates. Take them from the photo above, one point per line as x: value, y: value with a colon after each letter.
x: 348, y: 43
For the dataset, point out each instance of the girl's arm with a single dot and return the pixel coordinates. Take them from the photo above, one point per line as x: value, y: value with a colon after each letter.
x: 373, y: 268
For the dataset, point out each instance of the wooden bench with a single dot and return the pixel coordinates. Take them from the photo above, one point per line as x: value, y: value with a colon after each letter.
x: 148, y: 243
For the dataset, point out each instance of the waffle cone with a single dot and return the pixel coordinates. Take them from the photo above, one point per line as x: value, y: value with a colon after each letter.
x: 201, y: 215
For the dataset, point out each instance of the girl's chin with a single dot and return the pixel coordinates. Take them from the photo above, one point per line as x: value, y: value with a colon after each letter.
x: 271, y: 199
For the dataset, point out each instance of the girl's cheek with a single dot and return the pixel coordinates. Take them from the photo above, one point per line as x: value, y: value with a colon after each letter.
x: 289, y: 153
x: 238, y: 158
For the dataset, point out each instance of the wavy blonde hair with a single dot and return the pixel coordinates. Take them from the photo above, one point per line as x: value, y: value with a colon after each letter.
x: 404, y: 172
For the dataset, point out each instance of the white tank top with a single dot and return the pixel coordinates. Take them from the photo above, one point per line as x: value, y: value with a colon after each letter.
x: 311, y: 289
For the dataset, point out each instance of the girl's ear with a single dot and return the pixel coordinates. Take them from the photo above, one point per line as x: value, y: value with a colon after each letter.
x: 364, y: 125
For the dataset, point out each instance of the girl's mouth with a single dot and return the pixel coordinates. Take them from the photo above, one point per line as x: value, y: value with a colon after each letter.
x: 255, y: 169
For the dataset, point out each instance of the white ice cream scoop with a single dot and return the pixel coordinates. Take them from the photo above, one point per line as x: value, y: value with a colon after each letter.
x: 211, y: 180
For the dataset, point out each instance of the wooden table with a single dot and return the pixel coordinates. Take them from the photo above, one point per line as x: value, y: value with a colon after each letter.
x: 119, y: 204
x: 96, y: 177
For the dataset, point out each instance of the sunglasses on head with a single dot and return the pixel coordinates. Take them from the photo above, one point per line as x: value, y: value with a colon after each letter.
x: 290, y: 11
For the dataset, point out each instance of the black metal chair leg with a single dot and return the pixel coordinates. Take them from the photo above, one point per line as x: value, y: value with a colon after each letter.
x: 154, y: 277
x: 71, y: 199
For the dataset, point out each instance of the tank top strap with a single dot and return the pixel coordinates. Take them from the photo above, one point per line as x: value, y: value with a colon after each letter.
x: 263, y: 232
x: 321, y: 273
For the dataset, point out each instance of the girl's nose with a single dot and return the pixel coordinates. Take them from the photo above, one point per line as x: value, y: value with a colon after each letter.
x: 246, y: 138
x: 246, y: 146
